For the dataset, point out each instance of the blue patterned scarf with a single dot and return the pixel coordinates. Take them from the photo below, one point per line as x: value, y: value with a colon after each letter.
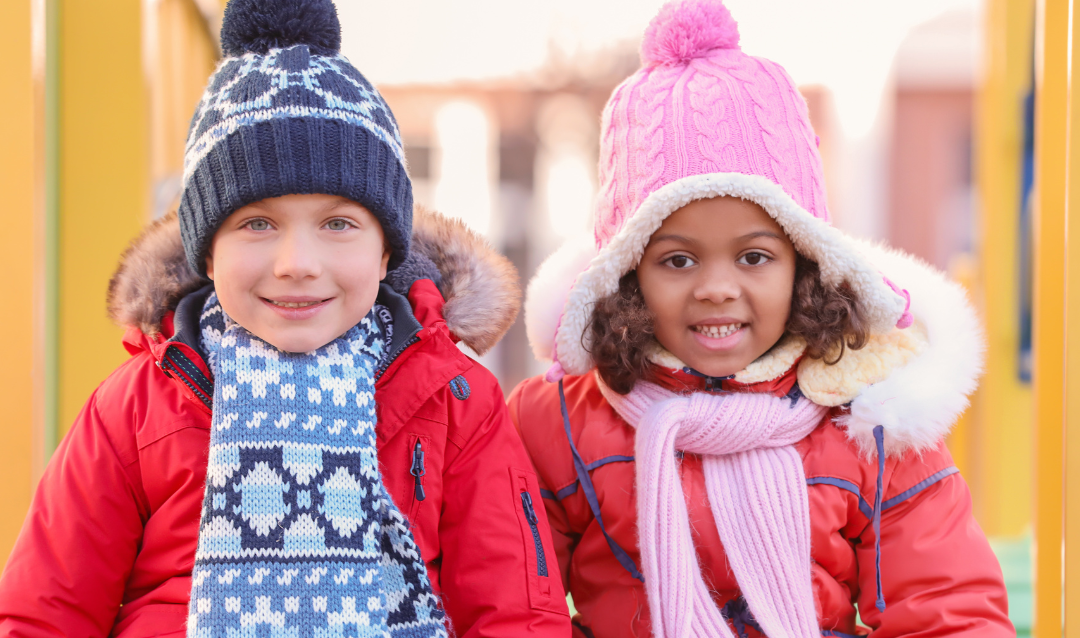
x: 298, y: 537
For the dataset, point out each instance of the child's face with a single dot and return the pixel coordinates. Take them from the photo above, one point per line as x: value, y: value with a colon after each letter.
x: 298, y: 271
x: 718, y: 277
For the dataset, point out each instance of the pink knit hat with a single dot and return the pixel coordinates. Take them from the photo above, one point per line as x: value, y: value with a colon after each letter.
x: 702, y: 119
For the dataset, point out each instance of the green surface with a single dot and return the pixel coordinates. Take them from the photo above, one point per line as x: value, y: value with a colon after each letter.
x: 1015, y: 558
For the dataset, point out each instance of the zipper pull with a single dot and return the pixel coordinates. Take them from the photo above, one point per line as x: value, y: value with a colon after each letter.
x: 418, y: 470
x: 526, y: 502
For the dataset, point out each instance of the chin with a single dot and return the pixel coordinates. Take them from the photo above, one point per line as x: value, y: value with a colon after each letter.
x: 712, y: 367
x: 295, y: 344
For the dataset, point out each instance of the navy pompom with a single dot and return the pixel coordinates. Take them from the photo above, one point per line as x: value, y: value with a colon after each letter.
x: 257, y: 26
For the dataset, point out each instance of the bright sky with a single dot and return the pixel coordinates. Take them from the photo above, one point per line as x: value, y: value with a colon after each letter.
x: 847, y: 45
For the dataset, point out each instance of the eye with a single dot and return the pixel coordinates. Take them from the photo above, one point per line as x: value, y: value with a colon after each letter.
x: 338, y: 224
x: 258, y: 225
x: 679, y: 262
x: 754, y: 259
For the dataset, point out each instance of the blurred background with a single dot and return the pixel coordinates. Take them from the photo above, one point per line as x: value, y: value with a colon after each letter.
x: 945, y: 131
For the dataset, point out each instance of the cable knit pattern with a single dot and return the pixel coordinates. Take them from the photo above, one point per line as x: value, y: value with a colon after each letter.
x: 649, y: 138
x: 709, y: 118
x: 757, y: 492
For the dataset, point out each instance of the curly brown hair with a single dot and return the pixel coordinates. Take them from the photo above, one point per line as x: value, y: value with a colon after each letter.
x: 621, y: 326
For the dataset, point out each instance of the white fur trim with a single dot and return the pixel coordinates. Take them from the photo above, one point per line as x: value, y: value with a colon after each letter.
x: 774, y: 363
x: 836, y: 255
x: 919, y: 402
x: 547, y: 292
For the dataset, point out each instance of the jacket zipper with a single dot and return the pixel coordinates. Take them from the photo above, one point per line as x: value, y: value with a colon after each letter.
x: 394, y: 355
x: 418, y: 471
x: 170, y: 368
x: 530, y: 514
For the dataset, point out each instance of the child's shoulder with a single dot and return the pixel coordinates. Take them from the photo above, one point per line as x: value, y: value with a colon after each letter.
x: 833, y: 456
x: 536, y: 408
x: 538, y: 401
x: 133, y: 407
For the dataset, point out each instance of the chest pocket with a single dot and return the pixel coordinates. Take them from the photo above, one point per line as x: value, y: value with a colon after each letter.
x: 419, y: 457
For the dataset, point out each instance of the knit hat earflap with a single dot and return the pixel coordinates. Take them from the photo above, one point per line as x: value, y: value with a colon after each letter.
x: 285, y: 113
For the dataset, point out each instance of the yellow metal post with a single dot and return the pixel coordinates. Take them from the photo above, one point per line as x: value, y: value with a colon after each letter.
x: 103, y: 182
x: 1072, y: 338
x: 962, y: 269
x: 1051, y: 86
x: 21, y: 259
x: 1001, y: 465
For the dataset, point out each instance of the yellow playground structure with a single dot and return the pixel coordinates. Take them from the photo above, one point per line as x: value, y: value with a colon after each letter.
x: 92, y: 126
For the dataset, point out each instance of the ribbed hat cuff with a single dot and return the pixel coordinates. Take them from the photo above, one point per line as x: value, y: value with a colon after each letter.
x: 296, y: 156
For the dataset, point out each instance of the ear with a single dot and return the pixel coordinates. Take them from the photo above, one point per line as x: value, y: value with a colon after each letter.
x: 210, y: 265
x: 384, y: 263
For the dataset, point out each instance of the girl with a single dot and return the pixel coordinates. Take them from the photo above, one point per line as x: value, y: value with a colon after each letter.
x: 742, y: 431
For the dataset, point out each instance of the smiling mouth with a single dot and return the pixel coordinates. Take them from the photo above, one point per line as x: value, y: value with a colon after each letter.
x: 294, y: 304
x: 718, y: 332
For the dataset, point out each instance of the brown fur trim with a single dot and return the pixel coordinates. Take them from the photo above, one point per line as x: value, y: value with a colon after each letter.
x: 152, y: 278
x: 480, y: 286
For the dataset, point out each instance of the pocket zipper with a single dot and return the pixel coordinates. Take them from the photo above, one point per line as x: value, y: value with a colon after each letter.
x: 418, y: 471
x: 530, y: 514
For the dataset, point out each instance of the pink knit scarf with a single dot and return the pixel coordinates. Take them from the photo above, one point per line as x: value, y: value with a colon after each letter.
x: 757, y: 492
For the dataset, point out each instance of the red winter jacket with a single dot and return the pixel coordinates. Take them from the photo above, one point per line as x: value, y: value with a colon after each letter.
x: 108, y: 546
x: 938, y: 574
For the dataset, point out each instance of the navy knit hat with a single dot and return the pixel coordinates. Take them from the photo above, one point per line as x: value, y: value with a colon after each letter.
x: 285, y: 113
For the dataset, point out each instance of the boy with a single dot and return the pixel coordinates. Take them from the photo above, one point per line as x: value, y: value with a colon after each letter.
x: 180, y: 481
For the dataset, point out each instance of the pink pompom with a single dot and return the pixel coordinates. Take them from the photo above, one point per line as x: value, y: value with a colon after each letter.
x: 555, y: 373
x: 688, y: 29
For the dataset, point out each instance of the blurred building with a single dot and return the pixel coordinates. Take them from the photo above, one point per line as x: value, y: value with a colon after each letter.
x: 515, y: 159
x: 930, y: 173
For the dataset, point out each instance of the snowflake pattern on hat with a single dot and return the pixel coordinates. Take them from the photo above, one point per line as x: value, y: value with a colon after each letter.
x: 286, y: 83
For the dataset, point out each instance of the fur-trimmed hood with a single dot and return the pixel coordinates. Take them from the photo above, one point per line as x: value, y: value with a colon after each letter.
x: 914, y: 382
x: 480, y: 286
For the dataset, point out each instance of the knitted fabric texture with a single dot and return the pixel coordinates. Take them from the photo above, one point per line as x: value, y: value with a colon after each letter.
x: 757, y: 493
x: 292, y: 118
x: 702, y: 119
x: 298, y: 537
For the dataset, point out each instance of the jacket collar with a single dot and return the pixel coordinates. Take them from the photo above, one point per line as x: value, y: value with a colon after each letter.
x: 684, y: 380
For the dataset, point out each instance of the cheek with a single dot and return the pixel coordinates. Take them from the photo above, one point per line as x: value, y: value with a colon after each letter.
x: 237, y: 271
x: 359, y: 270
x: 664, y: 302
x: 778, y: 301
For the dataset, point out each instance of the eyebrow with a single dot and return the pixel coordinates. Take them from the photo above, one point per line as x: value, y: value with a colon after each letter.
x: 760, y: 233
x: 746, y: 237
x: 669, y: 237
x: 337, y: 203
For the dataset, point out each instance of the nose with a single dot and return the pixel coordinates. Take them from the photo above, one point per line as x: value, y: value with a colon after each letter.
x: 717, y: 284
x: 297, y: 256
